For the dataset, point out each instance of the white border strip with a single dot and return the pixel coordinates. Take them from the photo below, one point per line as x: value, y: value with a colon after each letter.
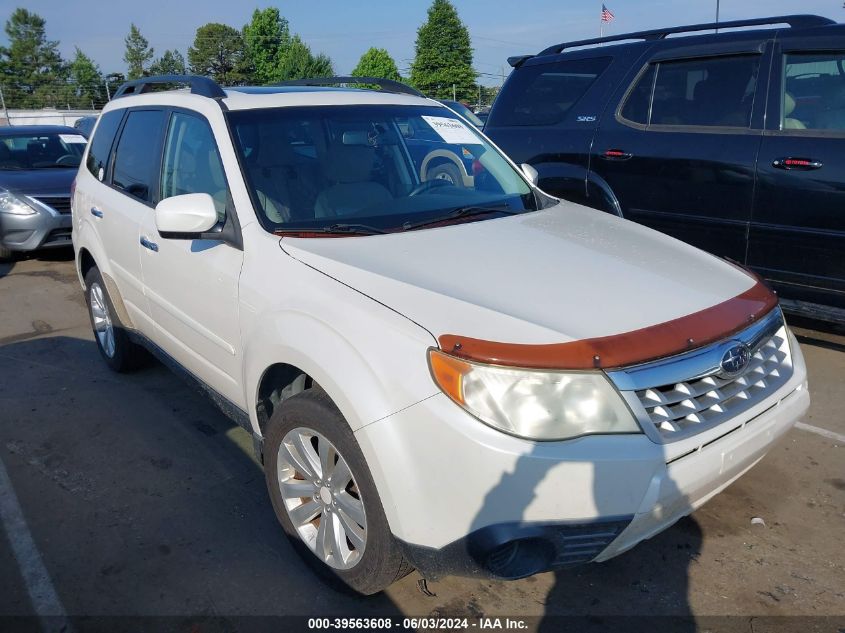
x: 42, y: 595
x: 823, y: 432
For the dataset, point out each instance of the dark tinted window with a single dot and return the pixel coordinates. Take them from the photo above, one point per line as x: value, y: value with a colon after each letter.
x: 136, y: 159
x: 639, y: 99
x: 813, y: 96
x: 98, y: 152
x: 192, y: 163
x: 545, y: 93
x: 715, y: 92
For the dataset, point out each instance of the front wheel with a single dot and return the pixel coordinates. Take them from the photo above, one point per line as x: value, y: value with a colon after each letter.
x: 325, y: 498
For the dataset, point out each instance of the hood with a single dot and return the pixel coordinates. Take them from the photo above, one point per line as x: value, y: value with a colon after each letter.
x: 553, y: 276
x: 38, y: 181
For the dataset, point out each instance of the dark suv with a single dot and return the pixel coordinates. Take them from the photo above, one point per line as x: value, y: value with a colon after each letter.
x: 731, y: 141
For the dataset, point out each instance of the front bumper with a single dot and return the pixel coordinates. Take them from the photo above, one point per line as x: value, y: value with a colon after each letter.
x: 468, y: 500
x: 43, y: 229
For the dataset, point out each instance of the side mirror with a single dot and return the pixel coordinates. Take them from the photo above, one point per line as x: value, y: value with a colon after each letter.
x: 186, y: 216
x: 530, y: 173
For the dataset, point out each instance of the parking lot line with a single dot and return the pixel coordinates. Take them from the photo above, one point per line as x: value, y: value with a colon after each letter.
x: 823, y: 432
x: 42, y: 595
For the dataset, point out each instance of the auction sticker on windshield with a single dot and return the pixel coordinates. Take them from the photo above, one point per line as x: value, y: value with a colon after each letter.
x: 72, y: 138
x: 451, y: 130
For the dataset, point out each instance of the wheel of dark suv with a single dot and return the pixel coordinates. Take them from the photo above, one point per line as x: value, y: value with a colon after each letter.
x: 325, y: 498
x: 120, y: 353
x: 448, y: 172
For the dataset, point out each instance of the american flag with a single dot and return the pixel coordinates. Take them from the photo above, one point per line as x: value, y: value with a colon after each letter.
x: 606, y: 15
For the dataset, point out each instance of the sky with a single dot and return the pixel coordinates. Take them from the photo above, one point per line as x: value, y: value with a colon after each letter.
x: 344, y: 29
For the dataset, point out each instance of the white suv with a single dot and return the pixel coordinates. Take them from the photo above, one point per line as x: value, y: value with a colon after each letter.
x: 458, y: 374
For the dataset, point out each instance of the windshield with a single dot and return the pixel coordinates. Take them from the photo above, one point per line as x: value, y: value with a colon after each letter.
x: 372, y: 169
x: 41, y: 151
x: 465, y: 112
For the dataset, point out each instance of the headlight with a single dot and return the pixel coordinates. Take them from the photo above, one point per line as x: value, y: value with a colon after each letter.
x: 539, y: 405
x: 10, y: 203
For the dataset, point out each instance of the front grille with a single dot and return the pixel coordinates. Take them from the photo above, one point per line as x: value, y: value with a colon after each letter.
x: 61, y: 204
x: 711, y: 400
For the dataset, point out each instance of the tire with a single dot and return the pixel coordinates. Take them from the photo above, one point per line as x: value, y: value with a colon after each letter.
x: 120, y: 354
x: 366, y: 570
x: 448, y: 172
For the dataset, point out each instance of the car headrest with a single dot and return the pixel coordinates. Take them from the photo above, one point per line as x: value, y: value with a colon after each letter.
x: 349, y: 163
x: 788, y: 104
x: 274, y: 148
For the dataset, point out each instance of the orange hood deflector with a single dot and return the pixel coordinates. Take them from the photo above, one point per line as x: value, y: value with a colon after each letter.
x: 629, y: 348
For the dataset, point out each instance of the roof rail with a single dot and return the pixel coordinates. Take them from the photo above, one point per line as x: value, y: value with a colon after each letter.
x: 794, y: 21
x: 386, y: 85
x: 202, y: 86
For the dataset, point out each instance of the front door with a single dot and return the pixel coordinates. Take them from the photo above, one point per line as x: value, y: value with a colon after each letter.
x: 797, y: 235
x: 680, y: 152
x: 192, y: 284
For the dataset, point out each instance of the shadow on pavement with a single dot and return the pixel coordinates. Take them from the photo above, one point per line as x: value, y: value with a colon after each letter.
x: 144, y: 499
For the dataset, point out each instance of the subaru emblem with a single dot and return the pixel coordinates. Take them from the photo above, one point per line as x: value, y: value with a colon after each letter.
x: 735, y: 360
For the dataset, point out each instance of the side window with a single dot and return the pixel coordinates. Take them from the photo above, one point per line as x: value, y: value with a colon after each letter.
x: 136, y: 159
x: 192, y: 163
x: 543, y: 94
x: 813, y: 93
x: 713, y: 92
x: 100, y: 145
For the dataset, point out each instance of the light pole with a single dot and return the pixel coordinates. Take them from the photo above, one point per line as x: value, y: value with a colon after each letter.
x: 717, y: 11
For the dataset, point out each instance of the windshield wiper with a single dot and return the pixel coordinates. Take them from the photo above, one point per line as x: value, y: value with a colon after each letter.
x: 349, y: 229
x: 460, y: 213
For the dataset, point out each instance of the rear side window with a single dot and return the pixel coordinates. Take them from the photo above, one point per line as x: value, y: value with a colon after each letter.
x: 100, y: 145
x: 136, y: 161
x: 543, y: 94
x: 813, y: 94
x: 714, y: 92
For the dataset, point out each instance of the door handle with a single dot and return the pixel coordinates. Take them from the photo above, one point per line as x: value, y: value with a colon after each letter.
x: 798, y: 164
x: 616, y: 154
x: 148, y: 244
x: 96, y: 212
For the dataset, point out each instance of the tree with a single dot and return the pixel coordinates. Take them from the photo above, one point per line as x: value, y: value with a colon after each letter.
x: 273, y: 54
x: 170, y: 63
x: 32, y: 71
x: 266, y: 38
x: 443, y: 54
x: 138, y: 53
x: 377, y: 62
x: 218, y: 52
x: 87, y: 81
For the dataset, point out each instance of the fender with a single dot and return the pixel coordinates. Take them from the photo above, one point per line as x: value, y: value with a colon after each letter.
x: 341, y: 368
x: 85, y: 237
x: 600, y: 195
x: 451, y: 156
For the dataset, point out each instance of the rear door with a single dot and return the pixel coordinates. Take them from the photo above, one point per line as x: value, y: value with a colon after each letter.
x: 119, y: 207
x: 797, y: 235
x: 679, y: 153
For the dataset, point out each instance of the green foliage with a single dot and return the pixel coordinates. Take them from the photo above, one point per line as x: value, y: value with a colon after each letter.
x: 443, y: 55
x: 273, y: 54
x: 87, y: 82
x: 31, y: 68
x: 266, y: 38
x: 170, y: 63
x: 377, y: 62
x: 138, y: 53
x: 218, y: 52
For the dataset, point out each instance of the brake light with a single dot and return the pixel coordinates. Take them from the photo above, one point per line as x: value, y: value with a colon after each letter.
x: 797, y: 162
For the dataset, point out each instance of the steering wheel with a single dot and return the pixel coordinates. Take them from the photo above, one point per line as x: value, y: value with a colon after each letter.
x: 429, y: 184
x: 68, y: 160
